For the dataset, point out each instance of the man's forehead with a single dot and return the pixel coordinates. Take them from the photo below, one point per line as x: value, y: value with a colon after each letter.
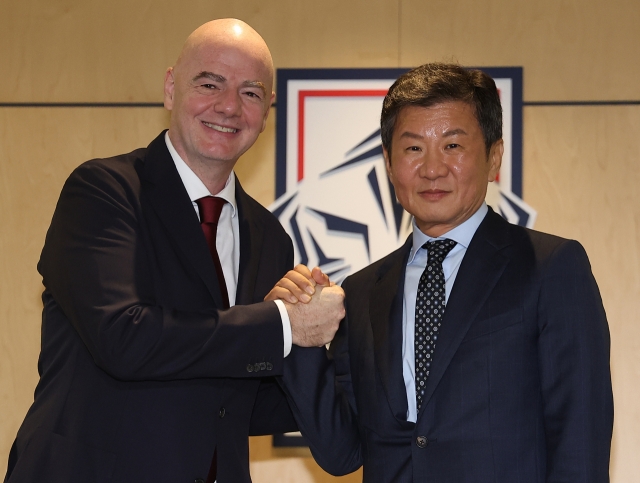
x: 228, y: 60
x: 437, y: 111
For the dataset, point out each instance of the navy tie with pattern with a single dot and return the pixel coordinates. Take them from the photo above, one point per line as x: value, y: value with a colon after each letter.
x: 430, y: 305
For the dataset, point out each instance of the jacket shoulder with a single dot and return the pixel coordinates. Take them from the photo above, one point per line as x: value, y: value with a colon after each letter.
x: 371, y: 273
x: 532, y: 244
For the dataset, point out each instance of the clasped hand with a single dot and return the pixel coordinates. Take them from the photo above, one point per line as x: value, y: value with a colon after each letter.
x: 315, y: 305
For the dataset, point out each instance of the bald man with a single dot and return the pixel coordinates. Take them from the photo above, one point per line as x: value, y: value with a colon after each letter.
x: 159, y: 356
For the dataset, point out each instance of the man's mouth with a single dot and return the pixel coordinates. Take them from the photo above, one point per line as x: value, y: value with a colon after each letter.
x: 219, y: 128
x: 433, y: 194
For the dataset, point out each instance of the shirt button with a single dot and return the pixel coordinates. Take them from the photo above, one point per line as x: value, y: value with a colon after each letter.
x: 222, y: 413
x: 250, y: 368
x: 422, y: 442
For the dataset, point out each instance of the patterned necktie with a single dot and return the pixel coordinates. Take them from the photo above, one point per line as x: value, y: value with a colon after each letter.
x: 430, y: 305
x: 210, y: 208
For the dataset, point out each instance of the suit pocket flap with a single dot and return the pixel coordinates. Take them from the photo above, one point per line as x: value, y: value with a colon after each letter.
x: 493, y: 324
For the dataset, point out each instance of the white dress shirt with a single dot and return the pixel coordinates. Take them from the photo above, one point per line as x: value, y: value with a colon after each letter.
x: 462, y: 235
x: 227, y: 234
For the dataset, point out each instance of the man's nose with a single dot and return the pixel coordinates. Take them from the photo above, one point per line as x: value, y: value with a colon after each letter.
x: 228, y: 102
x: 433, y: 165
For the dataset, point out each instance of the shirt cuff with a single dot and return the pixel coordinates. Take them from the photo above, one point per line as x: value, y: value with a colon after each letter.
x: 286, y: 326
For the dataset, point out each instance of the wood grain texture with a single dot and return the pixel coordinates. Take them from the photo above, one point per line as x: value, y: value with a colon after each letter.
x: 570, y: 49
x: 118, y: 51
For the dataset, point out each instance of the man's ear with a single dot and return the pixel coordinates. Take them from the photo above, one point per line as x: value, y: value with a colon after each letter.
x: 169, y: 87
x: 495, y: 160
x: 387, y: 161
x: 266, y: 112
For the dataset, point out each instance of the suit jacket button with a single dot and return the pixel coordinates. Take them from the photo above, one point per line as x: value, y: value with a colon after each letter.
x: 263, y: 366
x: 422, y: 442
x: 198, y: 480
x: 250, y: 368
x: 222, y: 413
x: 269, y: 366
x: 256, y: 367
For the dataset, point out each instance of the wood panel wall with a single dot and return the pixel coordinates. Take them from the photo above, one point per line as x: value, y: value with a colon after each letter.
x: 581, y: 162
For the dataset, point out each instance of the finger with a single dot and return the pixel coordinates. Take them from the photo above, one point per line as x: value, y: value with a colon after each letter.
x: 319, y: 277
x: 304, y: 271
x: 280, y: 293
x: 298, y: 289
x: 302, y: 279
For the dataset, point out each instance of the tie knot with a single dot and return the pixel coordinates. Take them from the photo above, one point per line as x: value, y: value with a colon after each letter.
x: 210, y: 208
x: 438, y: 249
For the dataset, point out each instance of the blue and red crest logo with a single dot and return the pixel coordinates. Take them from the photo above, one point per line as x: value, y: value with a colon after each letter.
x: 332, y: 193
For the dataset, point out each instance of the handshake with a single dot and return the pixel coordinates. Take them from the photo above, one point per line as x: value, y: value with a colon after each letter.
x: 314, y: 304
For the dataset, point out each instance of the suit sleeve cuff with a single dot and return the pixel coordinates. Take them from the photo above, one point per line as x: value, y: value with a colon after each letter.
x: 286, y: 326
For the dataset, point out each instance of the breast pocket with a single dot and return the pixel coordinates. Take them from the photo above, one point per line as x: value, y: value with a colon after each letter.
x: 489, y: 325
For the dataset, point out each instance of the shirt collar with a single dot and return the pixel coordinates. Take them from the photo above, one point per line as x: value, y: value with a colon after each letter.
x: 461, y: 234
x: 194, y: 185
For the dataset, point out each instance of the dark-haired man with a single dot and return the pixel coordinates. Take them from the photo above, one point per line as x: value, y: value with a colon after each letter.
x: 478, y: 351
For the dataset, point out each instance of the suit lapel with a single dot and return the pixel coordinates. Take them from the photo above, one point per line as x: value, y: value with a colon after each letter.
x: 481, y: 268
x: 162, y: 186
x: 251, y: 243
x: 385, y: 312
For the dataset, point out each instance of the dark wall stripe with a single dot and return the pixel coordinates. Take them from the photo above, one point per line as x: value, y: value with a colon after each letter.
x: 81, y: 104
x: 160, y: 104
x: 580, y: 103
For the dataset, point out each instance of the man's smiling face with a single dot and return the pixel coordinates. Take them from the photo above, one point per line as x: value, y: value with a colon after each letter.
x: 439, y: 165
x: 219, y: 94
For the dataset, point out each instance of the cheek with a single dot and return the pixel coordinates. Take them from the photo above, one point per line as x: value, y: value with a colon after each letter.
x: 194, y: 105
x: 256, y: 117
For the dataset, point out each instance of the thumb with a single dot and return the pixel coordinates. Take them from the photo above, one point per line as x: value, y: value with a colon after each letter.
x: 320, y: 277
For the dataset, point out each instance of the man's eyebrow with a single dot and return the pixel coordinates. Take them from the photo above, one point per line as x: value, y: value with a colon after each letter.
x: 209, y: 75
x: 454, y: 132
x: 219, y: 78
x: 419, y: 137
x: 257, y: 84
x: 411, y: 135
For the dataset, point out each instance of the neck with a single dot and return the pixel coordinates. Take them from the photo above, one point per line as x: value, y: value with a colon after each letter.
x: 214, y: 175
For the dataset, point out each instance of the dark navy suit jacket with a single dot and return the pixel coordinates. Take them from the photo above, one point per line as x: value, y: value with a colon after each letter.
x: 520, y: 387
x: 142, y: 375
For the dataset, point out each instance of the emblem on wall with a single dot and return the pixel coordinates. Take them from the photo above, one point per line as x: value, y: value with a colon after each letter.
x: 333, y: 196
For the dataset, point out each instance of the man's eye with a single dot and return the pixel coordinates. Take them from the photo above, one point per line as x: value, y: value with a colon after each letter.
x: 253, y: 94
x: 452, y: 146
x: 414, y: 148
x: 209, y: 86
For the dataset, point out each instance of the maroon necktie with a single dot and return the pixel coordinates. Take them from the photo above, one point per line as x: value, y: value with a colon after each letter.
x: 210, y: 208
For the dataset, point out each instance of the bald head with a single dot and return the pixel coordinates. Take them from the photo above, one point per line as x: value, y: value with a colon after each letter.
x: 231, y: 34
x: 219, y: 93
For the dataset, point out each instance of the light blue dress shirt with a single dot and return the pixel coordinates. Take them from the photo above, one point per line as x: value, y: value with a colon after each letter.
x: 462, y: 235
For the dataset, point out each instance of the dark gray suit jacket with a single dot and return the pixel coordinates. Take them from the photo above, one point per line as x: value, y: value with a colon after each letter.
x: 142, y: 374
x: 520, y: 388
